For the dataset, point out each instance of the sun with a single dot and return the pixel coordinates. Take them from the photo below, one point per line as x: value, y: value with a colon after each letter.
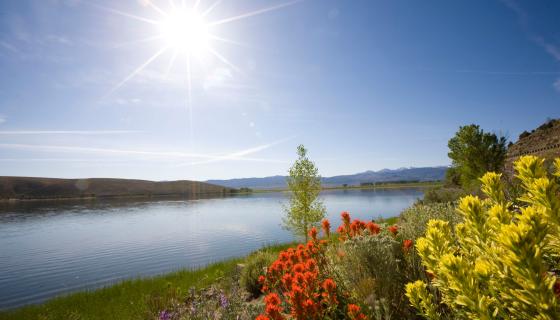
x: 185, y: 30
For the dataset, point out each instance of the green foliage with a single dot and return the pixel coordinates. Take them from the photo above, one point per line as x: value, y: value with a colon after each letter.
x: 304, y: 183
x: 499, y: 263
x: 255, y: 266
x: 453, y: 177
x: 474, y: 152
x: 413, y: 221
x: 443, y: 195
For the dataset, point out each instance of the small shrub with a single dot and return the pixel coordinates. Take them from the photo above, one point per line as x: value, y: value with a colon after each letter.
x: 501, y: 262
x: 413, y: 220
x: 374, y: 262
x: 374, y: 270
x: 443, y: 194
x: 254, y: 268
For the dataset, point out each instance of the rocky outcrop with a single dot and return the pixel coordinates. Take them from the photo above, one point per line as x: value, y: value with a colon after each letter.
x: 543, y: 142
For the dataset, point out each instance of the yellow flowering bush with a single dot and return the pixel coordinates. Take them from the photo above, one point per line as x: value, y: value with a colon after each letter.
x: 501, y: 262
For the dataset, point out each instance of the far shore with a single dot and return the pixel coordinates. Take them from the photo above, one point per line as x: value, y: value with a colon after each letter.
x: 116, y: 197
x: 429, y: 184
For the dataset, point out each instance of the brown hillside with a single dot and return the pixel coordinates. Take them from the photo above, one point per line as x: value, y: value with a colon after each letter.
x: 50, y: 188
x: 543, y: 142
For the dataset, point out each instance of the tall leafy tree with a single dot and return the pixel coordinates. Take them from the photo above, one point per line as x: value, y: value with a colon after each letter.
x: 474, y: 152
x: 305, y: 210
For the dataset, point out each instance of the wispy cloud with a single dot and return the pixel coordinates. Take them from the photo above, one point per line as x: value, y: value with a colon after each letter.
x: 550, y: 48
x: 557, y: 85
x: 167, y: 155
x: 523, y: 17
x: 8, y: 46
x: 241, y: 155
x: 87, y: 160
x: 102, y: 151
x: 66, y: 132
x: 494, y: 72
x: 2, y: 119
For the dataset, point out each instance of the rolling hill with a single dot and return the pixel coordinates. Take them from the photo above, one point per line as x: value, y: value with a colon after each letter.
x: 385, y: 175
x: 50, y: 188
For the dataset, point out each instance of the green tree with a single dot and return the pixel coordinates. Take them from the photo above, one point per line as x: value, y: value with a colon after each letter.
x: 474, y: 152
x: 304, y: 210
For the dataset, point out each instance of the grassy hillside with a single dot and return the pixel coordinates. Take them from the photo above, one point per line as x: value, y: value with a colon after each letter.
x: 49, y: 188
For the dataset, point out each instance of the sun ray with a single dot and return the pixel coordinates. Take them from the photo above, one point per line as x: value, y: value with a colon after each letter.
x: 158, y: 9
x: 189, y: 100
x: 209, y: 9
x: 253, y: 13
x: 224, y: 60
x: 124, y: 14
x: 214, y: 37
x: 138, y: 70
x: 196, y: 4
x: 171, y: 62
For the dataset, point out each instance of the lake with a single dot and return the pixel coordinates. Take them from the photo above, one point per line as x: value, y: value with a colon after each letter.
x: 53, y: 248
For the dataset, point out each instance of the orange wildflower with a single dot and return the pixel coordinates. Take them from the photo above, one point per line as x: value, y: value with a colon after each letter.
x: 326, y: 227
x: 272, y: 299
x: 329, y: 285
x: 407, y: 244
x: 345, y: 217
x: 299, y: 267
x: 313, y: 233
x: 373, y: 227
x: 354, y: 312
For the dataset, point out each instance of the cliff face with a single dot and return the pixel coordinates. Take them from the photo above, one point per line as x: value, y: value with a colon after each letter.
x: 543, y: 142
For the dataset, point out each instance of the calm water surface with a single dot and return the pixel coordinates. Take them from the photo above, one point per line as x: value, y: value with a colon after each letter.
x: 50, y: 249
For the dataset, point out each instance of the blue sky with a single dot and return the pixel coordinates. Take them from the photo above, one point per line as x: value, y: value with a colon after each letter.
x: 364, y: 84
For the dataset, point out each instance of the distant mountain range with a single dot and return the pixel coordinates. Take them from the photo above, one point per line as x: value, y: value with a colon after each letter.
x: 385, y: 175
x: 49, y: 188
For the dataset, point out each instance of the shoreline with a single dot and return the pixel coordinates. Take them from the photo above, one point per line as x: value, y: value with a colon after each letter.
x: 216, y: 195
x: 116, y: 197
x: 126, y: 299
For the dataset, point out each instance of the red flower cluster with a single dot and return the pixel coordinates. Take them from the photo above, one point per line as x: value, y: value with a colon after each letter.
x: 296, y: 285
x: 350, y: 229
x: 295, y: 278
x: 354, y: 312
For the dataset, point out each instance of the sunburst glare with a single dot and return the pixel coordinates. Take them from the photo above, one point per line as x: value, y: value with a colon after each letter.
x: 185, y: 30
